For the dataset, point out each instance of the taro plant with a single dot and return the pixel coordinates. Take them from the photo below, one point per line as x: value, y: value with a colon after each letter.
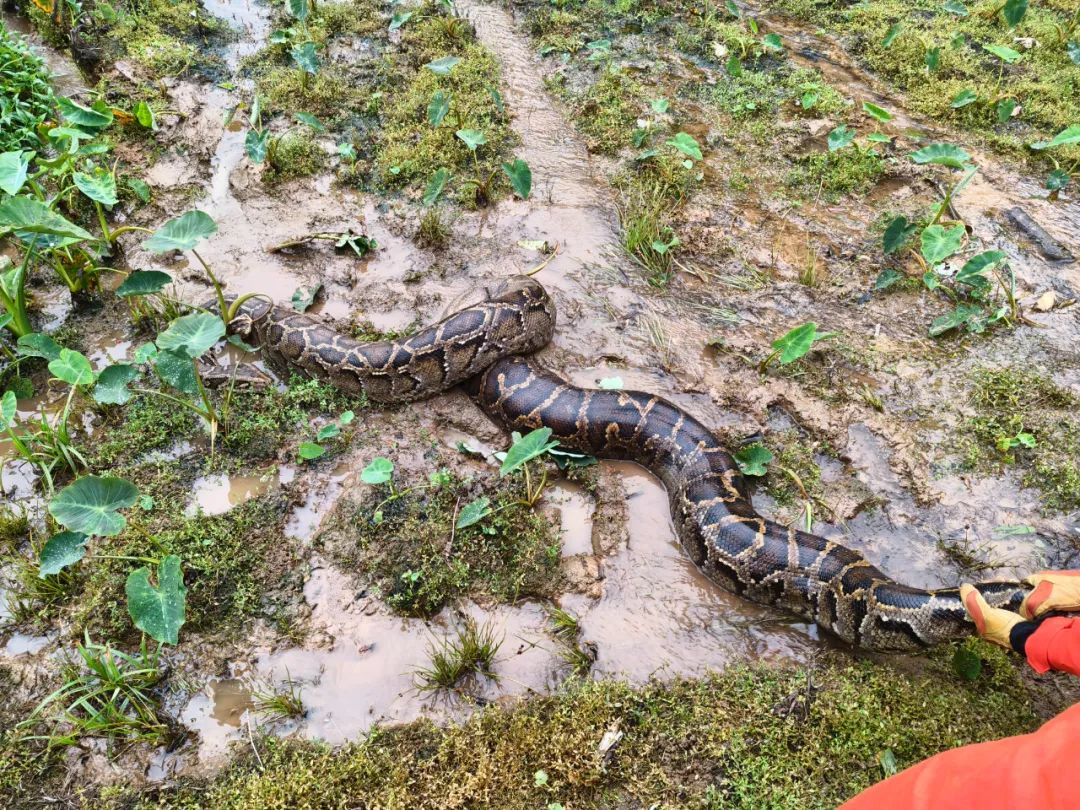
x: 952, y: 157
x: 302, y: 47
x: 793, y: 345
x: 524, y: 450
x: 183, y: 233
x: 380, y: 472
x: 144, y: 290
x: 1060, y: 176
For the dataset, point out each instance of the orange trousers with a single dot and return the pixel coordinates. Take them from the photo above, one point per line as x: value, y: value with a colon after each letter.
x: 1037, y: 771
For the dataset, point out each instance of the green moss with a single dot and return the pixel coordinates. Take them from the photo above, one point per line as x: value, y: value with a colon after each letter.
x: 164, y: 36
x: 607, y: 111
x: 409, y: 148
x: 294, y: 154
x: 260, y: 423
x: 329, y: 94
x: 1045, y: 82
x: 1009, y: 402
x: 145, y: 424
x: 794, y: 474
x: 14, y: 527
x: 723, y: 741
x: 852, y: 170
x: 419, y: 561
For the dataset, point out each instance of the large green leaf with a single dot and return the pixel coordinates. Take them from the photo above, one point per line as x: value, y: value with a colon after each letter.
x: 473, y: 512
x: 1067, y: 136
x: 181, y: 233
x: 9, y: 406
x: 442, y: 66
x: 686, y: 144
x: 143, y: 282
x: 898, y: 232
x: 840, y: 137
x: 111, y: 388
x: 438, y: 107
x: 472, y: 138
x: 91, y: 505
x: 1004, y: 52
x: 177, y: 370
x: 38, y: 345
x: 520, y: 177
x: 525, y: 448
x: 798, y: 341
x: 158, y: 610
x: 192, y: 335
x: 435, y: 186
x: 943, y: 154
x: 977, y: 265
x: 99, y: 185
x: 89, y: 118
x: 60, y: 551
x: 379, y: 471
x: 299, y: 9
x: 939, y: 242
x: 28, y: 216
x: 13, y: 169
x: 72, y: 367
x: 306, y: 57
x: 754, y: 460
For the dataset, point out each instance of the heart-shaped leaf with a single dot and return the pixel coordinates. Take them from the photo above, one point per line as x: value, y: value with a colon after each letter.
x: 1004, y: 52
x: 181, y: 233
x: 90, y: 118
x: 963, y: 98
x: 939, y: 242
x: 520, y: 177
x: 99, y: 185
x: 306, y: 57
x: 438, y: 107
x: 299, y: 9
x: 91, y: 505
x: 525, y: 448
x: 38, y: 345
x: 311, y: 121
x: 798, y: 341
x: 473, y: 512
x: 897, y: 234
x: 178, y: 370
x: 310, y: 451
x: 257, y: 144
x: 876, y: 112
x: 144, y: 114
x: 686, y: 144
x: 192, y: 335
x: 60, y: 551
x: 72, y: 367
x: 13, y: 169
x: 435, y: 186
x: 943, y: 154
x: 400, y: 19
x: 143, y: 282
x: 158, y: 610
x: 443, y: 66
x: 977, y: 265
x: 840, y: 137
x: 1067, y: 136
x: 111, y: 388
x: 754, y: 460
x: 961, y: 315
x: 379, y: 471
x: 28, y: 216
x: 472, y: 138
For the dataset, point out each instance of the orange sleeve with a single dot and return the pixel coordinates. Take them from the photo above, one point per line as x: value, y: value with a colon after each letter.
x: 1055, y: 645
x: 1036, y: 771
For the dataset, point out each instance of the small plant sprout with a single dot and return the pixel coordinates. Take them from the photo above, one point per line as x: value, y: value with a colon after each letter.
x: 470, y: 651
x: 1060, y: 177
x: 880, y: 116
x: 794, y: 345
x: 310, y: 451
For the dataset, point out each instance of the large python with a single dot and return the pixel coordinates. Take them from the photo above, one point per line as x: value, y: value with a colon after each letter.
x: 480, y: 346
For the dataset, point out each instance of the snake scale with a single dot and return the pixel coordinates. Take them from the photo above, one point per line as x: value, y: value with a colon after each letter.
x: 481, y: 346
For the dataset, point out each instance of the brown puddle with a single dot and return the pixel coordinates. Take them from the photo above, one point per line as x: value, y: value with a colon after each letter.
x: 217, y: 494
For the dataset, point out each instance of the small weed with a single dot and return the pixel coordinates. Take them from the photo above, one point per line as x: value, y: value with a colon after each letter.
x: 280, y: 702
x: 433, y: 232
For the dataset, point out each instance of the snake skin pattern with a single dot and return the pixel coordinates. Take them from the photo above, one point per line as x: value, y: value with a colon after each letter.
x: 816, y: 578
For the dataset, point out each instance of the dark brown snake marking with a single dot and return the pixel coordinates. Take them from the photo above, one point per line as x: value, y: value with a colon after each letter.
x: 734, y: 546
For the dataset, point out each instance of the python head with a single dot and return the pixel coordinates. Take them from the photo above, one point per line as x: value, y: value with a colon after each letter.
x: 248, y: 321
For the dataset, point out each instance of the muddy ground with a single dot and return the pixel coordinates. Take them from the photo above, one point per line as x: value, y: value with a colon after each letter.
x: 879, y: 425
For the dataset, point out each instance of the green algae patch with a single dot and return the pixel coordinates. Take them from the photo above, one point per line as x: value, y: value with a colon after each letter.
x: 747, y: 738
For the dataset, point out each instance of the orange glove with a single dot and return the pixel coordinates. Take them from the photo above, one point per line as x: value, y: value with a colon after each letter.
x: 1053, y: 590
x: 991, y: 623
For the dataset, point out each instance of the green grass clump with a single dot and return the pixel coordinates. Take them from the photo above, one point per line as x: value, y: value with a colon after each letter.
x: 471, y: 650
x: 144, y: 424
x: 27, y: 98
x: 853, y: 170
x: 419, y: 561
x: 294, y: 154
x: 14, y: 527
x: 717, y: 742
x: 607, y: 112
x: 1009, y: 402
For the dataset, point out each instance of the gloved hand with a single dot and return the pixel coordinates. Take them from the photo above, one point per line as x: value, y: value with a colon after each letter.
x: 991, y: 623
x: 1053, y: 590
